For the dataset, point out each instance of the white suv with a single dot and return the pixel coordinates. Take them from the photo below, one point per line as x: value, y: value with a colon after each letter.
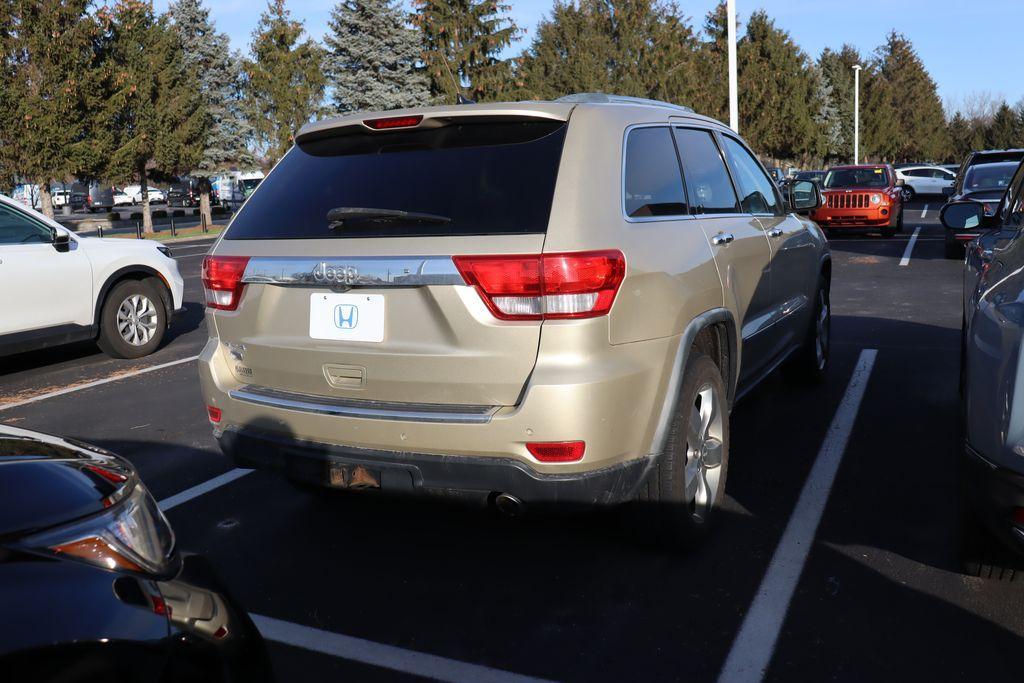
x: 57, y: 288
x: 925, y: 180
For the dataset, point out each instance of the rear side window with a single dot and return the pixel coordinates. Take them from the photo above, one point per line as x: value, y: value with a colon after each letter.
x: 757, y: 192
x: 471, y: 178
x: 652, y: 183
x: 707, y: 181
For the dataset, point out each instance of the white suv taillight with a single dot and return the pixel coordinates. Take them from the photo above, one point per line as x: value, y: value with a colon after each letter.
x: 222, y: 281
x: 546, y: 286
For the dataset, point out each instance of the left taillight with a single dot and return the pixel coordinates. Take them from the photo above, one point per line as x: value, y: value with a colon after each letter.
x: 557, y: 286
x: 222, y: 281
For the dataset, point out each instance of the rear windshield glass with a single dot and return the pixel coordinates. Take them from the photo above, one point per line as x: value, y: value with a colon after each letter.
x: 989, y: 176
x: 857, y: 177
x: 458, y: 179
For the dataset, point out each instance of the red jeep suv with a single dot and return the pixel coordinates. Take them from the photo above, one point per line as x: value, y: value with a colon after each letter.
x: 866, y: 196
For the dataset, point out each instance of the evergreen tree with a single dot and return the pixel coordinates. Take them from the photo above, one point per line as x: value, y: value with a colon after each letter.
x: 462, y: 43
x: 642, y: 48
x: 285, y: 80
x: 837, y: 72
x: 880, y: 133
x: 152, y: 114
x: 372, y: 58
x: 776, y: 93
x: 207, y: 53
x: 827, y: 118
x: 1005, y: 131
x: 921, y: 123
x: 49, y: 85
x: 964, y: 138
x: 712, y: 66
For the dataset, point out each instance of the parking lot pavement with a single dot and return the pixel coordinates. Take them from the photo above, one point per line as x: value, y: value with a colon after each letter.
x: 379, y: 589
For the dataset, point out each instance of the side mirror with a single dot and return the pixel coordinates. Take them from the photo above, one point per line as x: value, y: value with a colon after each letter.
x: 802, y: 195
x: 962, y: 215
x: 61, y: 241
x: 900, y: 182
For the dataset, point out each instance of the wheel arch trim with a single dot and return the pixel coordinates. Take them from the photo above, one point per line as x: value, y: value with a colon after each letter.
x: 670, y: 401
x: 124, y: 273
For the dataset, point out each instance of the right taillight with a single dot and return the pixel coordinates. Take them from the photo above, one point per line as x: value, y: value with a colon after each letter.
x: 222, y: 281
x: 546, y: 286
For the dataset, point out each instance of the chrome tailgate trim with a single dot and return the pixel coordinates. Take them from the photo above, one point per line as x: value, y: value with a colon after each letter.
x: 357, y: 271
x: 360, y: 408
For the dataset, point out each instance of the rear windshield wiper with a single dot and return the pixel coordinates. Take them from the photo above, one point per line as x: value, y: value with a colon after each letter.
x: 344, y: 215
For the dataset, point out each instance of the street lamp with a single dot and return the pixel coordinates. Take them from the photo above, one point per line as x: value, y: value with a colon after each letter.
x: 734, y: 109
x: 856, y: 113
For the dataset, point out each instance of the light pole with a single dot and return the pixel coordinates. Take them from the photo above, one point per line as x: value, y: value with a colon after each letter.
x: 856, y: 113
x: 734, y: 108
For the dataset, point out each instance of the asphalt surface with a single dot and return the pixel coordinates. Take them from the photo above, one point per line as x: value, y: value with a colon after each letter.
x: 882, y: 594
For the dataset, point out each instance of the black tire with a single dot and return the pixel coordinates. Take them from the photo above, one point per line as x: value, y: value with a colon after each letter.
x: 810, y: 364
x: 984, y: 556
x: 888, y: 231
x: 899, y: 221
x: 671, y: 517
x: 153, y: 318
x: 954, y: 250
x: 909, y: 194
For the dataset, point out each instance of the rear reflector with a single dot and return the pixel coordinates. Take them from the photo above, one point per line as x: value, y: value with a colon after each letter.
x: 214, y: 413
x: 557, y: 451
x: 546, y: 286
x: 393, y: 122
x: 222, y: 281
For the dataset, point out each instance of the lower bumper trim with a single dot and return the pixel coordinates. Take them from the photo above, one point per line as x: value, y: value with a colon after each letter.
x: 470, y: 476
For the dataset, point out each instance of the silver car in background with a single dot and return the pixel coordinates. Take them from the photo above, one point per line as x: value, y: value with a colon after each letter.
x: 992, y: 374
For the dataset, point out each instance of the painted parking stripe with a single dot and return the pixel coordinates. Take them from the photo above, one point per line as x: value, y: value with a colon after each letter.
x: 924, y: 211
x: 201, y: 489
x: 385, y: 656
x: 95, y: 383
x: 754, y: 645
x: 910, y: 247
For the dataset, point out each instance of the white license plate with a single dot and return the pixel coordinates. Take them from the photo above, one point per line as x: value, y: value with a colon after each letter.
x: 346, y: 317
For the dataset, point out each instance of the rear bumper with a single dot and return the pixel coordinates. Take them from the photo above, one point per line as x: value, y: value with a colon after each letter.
x: 994, y: 492
x: 415, y: 473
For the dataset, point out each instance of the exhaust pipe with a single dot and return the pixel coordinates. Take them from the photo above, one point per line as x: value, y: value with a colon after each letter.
x: 508, y: 505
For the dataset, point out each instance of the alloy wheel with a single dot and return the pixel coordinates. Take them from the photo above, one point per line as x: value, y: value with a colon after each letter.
x: 703, y: 452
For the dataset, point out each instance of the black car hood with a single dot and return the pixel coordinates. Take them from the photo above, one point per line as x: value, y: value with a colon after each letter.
x: 47, y: 481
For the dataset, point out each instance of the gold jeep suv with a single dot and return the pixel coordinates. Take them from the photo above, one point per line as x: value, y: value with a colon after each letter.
x: 530, y: 302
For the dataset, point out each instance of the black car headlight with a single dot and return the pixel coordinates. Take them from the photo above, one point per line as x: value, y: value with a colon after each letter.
x: 132, y: 535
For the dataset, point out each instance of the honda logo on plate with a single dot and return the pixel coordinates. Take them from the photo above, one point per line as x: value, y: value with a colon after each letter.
x: 346, y: 316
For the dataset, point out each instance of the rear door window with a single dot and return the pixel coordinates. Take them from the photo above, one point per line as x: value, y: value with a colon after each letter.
x: 652, y: 183
x: 757, y: 191
x: 470, y: 178
x: 707, y: 181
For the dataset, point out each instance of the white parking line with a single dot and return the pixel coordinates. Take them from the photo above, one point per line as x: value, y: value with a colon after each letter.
x: 754, y: 645
x: 199, y: 489
x: 385, y: 656
x: 910, y: 247
x: 924, y: 211
x: 95, y: 383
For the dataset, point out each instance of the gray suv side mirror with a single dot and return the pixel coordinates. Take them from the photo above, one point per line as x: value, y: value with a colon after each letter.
x: 962, y: 215
x: 803, y: 196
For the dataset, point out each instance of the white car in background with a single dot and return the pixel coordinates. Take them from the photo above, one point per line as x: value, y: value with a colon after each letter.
x: 57, y: 287
x: 925, y: 180
x: 122, y: 198
x: 134, y: 192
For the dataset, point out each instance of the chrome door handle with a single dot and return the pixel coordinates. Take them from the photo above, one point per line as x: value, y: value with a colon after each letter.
x: 722, y: 238
x: 775, y: 232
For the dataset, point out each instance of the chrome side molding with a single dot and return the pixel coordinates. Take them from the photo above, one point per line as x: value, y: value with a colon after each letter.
x: 361, y: 408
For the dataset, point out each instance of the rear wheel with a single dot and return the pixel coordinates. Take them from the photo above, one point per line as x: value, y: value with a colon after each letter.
x: 133, y: 320
x: 683, y: 492
x: 810, y: 363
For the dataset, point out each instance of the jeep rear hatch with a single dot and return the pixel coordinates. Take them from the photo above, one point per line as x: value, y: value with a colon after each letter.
x: 348, y: 285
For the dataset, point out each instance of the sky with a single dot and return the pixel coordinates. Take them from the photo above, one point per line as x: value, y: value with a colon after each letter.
x: 962, y: 56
